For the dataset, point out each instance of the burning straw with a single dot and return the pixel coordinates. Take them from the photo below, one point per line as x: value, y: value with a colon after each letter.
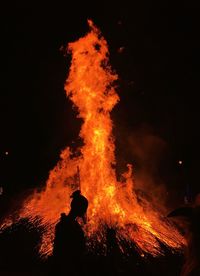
x: 114, y: 204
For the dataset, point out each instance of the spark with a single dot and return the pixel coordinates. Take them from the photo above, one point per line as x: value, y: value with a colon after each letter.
x: 121, y: 50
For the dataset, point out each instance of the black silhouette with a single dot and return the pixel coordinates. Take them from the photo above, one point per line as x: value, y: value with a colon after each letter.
x: 191, y: 265
x: 69, y: 242
x: 114, y: 256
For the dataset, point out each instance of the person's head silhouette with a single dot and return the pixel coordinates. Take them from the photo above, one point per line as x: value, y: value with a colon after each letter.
x: 79, y: 205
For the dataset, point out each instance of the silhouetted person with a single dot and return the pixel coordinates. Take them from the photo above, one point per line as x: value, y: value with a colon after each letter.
x: 191, y: 265
x: 114, y: 255
x: 69, y: 242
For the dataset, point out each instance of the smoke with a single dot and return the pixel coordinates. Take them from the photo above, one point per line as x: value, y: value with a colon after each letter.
x: 146, y: 151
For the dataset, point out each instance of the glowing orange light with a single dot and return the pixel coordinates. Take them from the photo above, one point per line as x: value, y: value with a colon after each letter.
x: 90, y: 86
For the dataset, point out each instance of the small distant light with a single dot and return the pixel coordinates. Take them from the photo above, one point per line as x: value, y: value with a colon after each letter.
x: 120, y: 50
x: 142, y: 255
x: 180, y: 162
x: 6, y: 153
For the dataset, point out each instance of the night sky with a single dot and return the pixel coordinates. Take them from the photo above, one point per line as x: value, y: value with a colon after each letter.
x: 158, y: 85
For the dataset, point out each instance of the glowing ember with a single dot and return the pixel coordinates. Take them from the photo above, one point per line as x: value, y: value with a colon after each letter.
x: 111, y: 203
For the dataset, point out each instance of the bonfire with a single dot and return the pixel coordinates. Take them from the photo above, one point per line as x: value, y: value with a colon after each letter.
x: 113, y: 204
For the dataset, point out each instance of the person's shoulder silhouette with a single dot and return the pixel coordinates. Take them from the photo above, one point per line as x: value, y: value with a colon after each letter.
x: 191, y: 264
x: 69, y: 242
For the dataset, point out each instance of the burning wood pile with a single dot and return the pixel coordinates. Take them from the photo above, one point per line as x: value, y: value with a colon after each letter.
x: 91, y: 88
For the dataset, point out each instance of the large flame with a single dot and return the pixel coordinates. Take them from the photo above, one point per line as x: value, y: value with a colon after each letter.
x: 111, y: 203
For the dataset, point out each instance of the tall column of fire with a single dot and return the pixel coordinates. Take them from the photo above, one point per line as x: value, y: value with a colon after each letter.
x: 90, y: 88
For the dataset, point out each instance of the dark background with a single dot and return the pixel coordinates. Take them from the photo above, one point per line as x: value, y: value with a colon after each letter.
x: 158, y: 85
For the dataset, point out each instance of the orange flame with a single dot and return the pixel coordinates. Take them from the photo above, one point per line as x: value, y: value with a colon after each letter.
x: 112, y: 203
